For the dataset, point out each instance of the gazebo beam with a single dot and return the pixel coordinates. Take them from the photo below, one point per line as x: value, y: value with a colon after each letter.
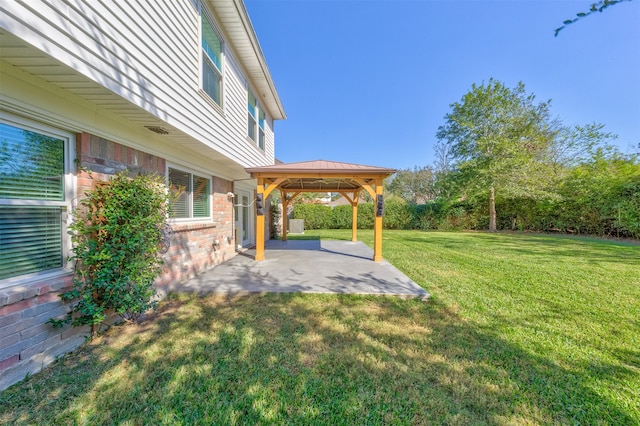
x: 272, y: 185
x: 366, y: 186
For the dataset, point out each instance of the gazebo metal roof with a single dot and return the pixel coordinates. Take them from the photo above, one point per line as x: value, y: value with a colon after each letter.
x: 321, y: 175
x: 321, y: 166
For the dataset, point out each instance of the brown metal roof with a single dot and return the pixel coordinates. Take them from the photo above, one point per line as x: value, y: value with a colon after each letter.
x: 321, y: 175
x: 322, y: 166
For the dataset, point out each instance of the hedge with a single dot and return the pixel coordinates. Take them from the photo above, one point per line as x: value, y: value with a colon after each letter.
x: 398, y: 215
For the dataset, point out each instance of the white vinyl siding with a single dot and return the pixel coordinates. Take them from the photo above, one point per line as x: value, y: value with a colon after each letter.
x: 35, y: 189
x: 148, y: 53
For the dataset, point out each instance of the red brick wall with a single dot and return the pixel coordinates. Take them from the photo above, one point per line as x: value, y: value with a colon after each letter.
x: 105, y: 158
x: 193, y: 249
x: 27, y: 342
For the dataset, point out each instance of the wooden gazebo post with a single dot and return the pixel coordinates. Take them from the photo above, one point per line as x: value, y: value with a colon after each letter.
x: 354, y: 212
x: 260, y: 224
x: 354, y: 216
x: 285, y: 206
x: 377, y: 224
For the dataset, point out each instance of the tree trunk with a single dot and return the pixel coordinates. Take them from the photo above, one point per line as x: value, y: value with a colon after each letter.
x: 492, y: 210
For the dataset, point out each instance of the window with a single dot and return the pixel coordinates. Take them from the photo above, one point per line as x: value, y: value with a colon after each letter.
x: 252, y: 107
x: 261, y: 129
x: 211, y: 61
x: 35, y: 189
x: 255, y: 120
x: 192, y: 195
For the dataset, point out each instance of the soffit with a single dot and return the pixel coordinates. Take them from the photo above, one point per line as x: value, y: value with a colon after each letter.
x: 24, y: 58
x: 240, y: 33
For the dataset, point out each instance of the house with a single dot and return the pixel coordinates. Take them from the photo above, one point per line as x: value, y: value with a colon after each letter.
x: 341, y: 201
x: 89, y: 88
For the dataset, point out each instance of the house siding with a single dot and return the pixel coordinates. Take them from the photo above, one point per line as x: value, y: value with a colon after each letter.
x: 148, y: 53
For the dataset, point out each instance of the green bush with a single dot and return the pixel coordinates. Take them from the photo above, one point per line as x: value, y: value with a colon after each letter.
x: 365, y: 216
x: 342, y: 217
x: 316, y: 216
x: 274, y: 220
x: 397, y: 215
x: 117, y: 236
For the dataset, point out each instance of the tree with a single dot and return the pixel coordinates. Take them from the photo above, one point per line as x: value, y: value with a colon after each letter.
x: 599, y: 6
x: 493, y: 137
x: 601, y: 195
x: 414, y: 186
x: 573, y: 146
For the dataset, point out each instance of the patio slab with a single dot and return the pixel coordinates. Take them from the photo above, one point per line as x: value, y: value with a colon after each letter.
x: 305, y: 266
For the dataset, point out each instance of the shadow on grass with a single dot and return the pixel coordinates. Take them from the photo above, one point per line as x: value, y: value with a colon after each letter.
x: 306, y: 359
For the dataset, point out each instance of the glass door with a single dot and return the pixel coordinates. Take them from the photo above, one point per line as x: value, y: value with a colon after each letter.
x: 243, y: 222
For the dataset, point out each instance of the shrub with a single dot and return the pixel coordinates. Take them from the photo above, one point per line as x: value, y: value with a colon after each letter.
x: 117, y: 236
x: 365, y: 216
x: 397, y: 215
x: 342, y: 217
x: 274, y: 220
x: 316, y: 216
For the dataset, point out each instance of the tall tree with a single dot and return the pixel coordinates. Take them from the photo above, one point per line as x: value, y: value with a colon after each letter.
x: 572, y: 146
x: 494, y: 136
x: 414, y: 186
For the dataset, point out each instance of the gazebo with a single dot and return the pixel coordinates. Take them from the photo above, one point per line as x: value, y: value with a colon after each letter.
x: 347, y: 179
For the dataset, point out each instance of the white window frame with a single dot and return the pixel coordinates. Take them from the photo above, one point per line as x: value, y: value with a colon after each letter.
x: 262, y: 138
x: 204, y: 13
x: 67, y: 205
x: 258, y: 130
x: 252, y: 122
x: 192, y: 173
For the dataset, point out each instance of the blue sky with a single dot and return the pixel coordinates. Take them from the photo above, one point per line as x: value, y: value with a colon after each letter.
x: 370, y: 81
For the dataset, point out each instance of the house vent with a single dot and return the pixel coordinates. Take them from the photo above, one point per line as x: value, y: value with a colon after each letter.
x: 157, y: 129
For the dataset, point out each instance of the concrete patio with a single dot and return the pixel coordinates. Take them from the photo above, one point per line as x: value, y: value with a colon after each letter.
x: 305, y: 266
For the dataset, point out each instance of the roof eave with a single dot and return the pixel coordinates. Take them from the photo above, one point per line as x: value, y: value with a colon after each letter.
x: 252, y: 58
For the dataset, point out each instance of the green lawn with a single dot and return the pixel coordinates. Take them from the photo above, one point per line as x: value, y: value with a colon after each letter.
x: 520, y: 329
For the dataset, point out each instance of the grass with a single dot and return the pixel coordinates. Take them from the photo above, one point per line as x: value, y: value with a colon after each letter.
x: 520, y: 329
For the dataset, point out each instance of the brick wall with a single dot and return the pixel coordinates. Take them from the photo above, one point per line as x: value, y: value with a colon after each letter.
x: 193, y: 247
x: 27, y: 342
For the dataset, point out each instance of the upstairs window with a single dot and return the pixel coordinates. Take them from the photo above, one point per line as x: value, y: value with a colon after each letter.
x: 192, y: 195
x: 255, y: 121
x: 261, y: 129
x: 252, y: 108
x: 211, y: 61
x: 34, y: 197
